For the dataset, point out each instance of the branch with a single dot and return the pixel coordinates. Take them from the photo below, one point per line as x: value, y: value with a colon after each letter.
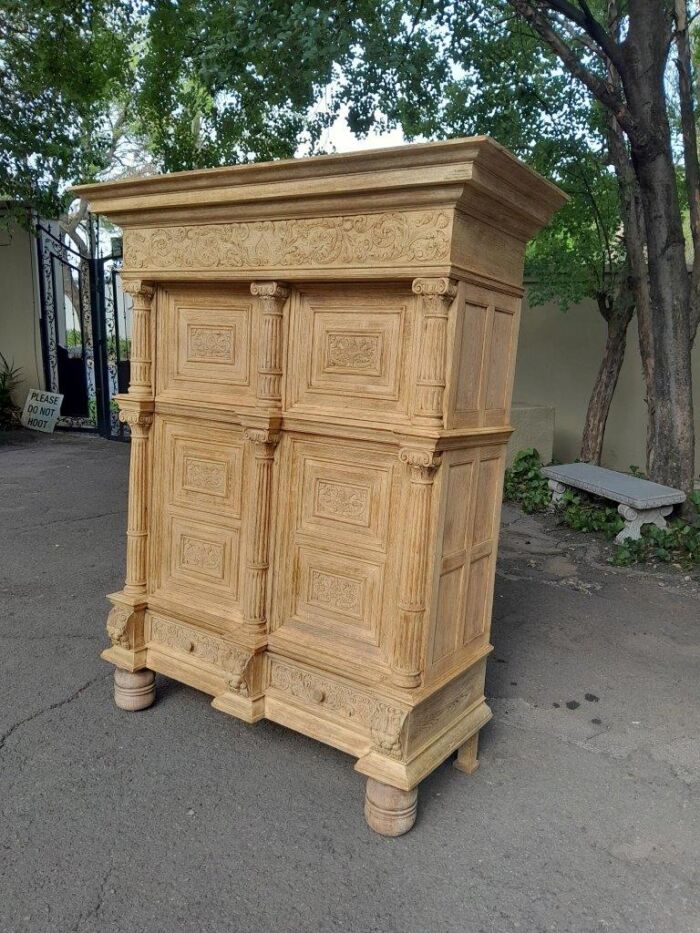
x: 603, y: 91
x: 690, y: 151
x: 585, y: 19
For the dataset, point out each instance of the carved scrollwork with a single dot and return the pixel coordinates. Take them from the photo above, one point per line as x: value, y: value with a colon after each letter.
x: 118, y: 626
x: 236, y: 661
x: 380, y: 238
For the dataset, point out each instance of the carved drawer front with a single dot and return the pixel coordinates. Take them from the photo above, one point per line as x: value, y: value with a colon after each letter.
x: 198, y: 474
x: 379, y: 725
x: 333, y: 548
x: 351, y: 346
x: 465, y: 570
x: 204, y: 343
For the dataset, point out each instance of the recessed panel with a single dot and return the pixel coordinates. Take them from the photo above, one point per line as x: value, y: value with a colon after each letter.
x: 206, y: 474
x: 203, y: 555
x: 205, y: 343
x: 338, y: 592
x: 342, y: 499
x: 352, y: 346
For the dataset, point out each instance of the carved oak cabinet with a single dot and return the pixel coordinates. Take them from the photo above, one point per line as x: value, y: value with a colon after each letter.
x: 321, y: 371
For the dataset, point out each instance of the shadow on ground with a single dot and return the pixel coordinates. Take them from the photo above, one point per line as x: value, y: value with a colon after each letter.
x: 583, y: 815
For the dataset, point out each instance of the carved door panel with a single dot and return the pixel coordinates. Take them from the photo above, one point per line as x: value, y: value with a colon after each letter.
x: 349, y: 351
x: 206, y: 344
x: 196, y: 520
x: 336, y: 581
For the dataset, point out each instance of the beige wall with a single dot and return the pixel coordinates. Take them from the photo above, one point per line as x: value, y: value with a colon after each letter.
x: 19, y: 307
x: 558, y: 358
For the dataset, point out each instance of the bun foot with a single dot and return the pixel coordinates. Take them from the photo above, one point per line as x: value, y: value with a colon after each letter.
x: 388, y: 810
x: 134, y: 690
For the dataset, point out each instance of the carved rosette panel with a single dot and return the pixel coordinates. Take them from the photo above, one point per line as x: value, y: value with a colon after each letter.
x: 408, y: 631
x: 436, y: 297
x: 257, y: 542
x: 140, y: 385
x: 383, y: 722
x: 271, y: 298
x: 382, y: 239
x: 235, y: 662
x: 139, y: 421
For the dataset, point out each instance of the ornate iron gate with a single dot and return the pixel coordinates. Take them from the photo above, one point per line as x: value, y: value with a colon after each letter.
x: 85, y: 330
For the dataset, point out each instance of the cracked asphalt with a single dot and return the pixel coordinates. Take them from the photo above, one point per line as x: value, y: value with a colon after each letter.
x: 582, y: 817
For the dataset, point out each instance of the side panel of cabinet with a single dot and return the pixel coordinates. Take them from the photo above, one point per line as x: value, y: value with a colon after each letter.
x: 480, y: 381
x: 464, y: 571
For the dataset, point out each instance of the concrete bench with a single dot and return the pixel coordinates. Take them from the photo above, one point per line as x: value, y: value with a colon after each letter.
x: 641, y: 502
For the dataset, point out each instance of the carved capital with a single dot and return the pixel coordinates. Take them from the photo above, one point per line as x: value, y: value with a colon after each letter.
x: 140, y: 292
x: 263, y: 437
x: 439, y: 287
x: 422, y: 462
x: 136, y: 418
x: 270, y: 290
x: 386, y: 730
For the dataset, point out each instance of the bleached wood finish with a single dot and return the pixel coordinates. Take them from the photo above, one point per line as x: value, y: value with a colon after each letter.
x: 322, y: 366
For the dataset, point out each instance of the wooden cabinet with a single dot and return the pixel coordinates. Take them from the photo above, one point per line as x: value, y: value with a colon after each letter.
x: 322, y: 365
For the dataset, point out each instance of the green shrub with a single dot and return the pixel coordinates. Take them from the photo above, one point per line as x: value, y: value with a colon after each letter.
x: 679, y: 543
x: 525, y: 484
x: 10, y: 378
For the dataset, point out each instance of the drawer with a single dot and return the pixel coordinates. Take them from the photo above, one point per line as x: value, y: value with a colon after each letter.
x: 332, y: 709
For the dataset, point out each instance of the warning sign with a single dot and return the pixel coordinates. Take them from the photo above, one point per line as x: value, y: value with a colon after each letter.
x: 41, y: 410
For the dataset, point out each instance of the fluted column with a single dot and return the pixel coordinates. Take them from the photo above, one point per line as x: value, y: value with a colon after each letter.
x: 271, y: 297
x: 408, y: 631
x: 139, y: 422
x: 257, y: 545
x: 436, y: 296
x: 140, y: 385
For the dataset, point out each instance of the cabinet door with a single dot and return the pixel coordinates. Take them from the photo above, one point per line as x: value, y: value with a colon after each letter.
x: 196, y: 518
x: 205, y: 344
x: 336, y: 584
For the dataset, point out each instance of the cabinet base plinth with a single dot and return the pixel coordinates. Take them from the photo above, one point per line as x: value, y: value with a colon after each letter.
x: 388, y: 810
x: 135, y: 690
x: 241, y: 707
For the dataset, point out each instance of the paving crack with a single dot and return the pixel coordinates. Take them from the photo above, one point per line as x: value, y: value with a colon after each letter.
x: 47, y: 709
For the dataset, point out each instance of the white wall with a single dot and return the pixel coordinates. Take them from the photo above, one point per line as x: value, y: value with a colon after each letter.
x: 19, y: 307
x: 558, y: 358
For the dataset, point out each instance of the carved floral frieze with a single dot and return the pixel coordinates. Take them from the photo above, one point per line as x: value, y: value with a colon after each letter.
x: 367, y: 239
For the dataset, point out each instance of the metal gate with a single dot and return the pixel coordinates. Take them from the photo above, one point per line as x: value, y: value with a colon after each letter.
x: 85, y: 331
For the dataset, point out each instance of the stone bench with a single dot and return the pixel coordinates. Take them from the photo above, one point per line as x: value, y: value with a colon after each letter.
x: 641, y: 502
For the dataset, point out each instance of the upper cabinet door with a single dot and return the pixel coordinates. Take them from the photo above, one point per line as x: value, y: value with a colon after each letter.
x: 206, y: 340
x: 349, y: 351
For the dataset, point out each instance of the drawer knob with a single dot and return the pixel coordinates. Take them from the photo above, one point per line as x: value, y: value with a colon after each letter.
x: 190, y: 646
x: 318, y: 695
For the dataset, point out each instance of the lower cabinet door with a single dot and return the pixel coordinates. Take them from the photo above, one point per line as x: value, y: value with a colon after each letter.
x: 334, y: 584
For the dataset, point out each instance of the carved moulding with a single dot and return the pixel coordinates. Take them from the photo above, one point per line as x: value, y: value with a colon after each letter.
x: 383, y: 238
x: 383, y: 722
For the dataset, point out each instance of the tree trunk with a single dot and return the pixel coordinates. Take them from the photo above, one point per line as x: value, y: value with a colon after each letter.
x: 665, y: 330
x: 604, y: 386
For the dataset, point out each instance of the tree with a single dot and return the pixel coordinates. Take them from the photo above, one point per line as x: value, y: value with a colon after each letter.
x: 63, y: 65
x: 618, y: 58
x: 623, y: 64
